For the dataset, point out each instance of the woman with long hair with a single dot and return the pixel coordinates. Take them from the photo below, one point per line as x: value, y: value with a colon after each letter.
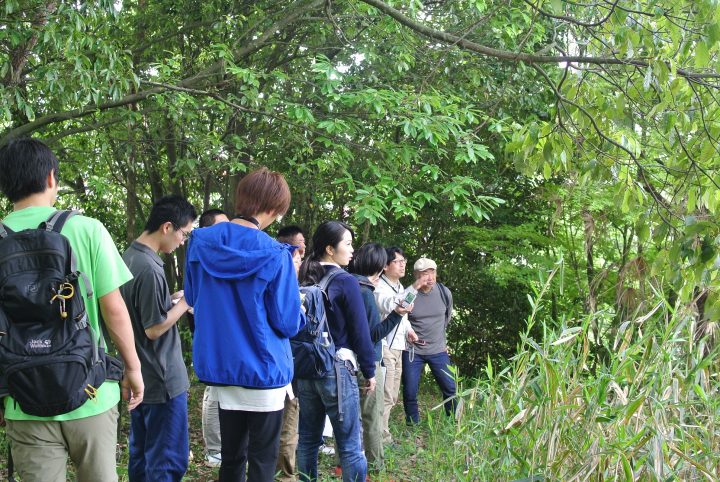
x: 244, y: 290
x: 336, y: 394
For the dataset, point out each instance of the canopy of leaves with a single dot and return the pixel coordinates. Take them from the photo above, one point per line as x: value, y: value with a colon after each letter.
x: 496, y: 136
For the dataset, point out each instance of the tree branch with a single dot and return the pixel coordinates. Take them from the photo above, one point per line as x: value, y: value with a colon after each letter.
x: 19, y: 57
x: 297, y: 10
x: 573, y: 20
x: 515, y: 56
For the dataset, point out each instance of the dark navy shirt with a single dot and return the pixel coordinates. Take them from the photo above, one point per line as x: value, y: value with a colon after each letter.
x: 378, y: 329
x: 348, y: 320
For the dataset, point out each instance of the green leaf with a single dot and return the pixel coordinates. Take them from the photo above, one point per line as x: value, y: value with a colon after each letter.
x: 547, y: 151
x: 627, y: 469
x: 625, y: 206
x: 702, y: 55
x: 633, y: 407
x: 692, y: 201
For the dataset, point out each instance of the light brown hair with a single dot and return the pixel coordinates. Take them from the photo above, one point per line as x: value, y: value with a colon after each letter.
x: 262, y: 191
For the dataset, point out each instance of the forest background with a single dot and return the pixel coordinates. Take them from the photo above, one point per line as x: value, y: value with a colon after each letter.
x: 559, y: 159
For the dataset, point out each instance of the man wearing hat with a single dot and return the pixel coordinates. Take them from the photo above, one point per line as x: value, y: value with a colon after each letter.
x: 429, y: 318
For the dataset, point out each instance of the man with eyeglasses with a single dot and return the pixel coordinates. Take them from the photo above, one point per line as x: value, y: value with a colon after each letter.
x: 388, y: 292
x: 159, y: 444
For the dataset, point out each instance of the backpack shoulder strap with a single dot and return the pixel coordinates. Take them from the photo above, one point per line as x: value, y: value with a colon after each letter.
x: 325, y: 281
x: 5, y: 231
x: 323, y: 285
x: 57, y: 220
x: 446, y: 300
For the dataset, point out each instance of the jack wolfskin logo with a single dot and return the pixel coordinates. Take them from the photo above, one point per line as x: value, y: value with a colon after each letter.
x: 39, y: 345
x: 32, y: 288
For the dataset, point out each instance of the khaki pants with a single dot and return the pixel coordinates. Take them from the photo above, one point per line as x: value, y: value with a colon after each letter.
x: 393, y: 364
x: 211, y: 423
x: 40, y: 448
x: 371, y: 410
x: 288, y: 441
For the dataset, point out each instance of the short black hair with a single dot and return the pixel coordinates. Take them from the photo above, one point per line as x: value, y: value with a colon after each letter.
x: 287, y: 233
x: 24, y: 166
x: 208, y: 217
x: 369, y: 260
x: 391, y: 252
x: 174, y: 209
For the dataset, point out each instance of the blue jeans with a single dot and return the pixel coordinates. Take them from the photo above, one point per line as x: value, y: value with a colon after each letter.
x: 159, y: 444
x: 411, y: 371
x: 320, y: 397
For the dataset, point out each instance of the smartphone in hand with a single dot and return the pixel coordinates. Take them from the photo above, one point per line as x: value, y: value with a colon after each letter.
x: 408, y: 300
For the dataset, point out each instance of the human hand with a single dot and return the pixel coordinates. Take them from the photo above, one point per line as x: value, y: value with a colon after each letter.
x: 181, y: 303
x: 412, y: 336
x: 369, y: 385
x: 403, y: 310
x: 423, y: 281
x: 132, y: 388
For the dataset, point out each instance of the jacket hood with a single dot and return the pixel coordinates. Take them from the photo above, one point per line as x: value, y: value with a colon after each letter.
x: 231, y: 251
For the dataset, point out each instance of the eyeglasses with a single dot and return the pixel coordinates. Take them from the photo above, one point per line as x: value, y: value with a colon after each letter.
x: 399, y: 261
x: 185, y: 234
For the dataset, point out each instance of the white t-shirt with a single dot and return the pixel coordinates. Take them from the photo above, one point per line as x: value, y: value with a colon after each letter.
x: 251, y: 399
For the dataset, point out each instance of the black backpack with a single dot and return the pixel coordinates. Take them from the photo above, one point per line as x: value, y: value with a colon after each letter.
x: 313, y: 348
x: 50, y: 361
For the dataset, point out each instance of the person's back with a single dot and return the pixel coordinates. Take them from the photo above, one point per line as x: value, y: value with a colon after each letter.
x: 241, y: 344
x: 210, y: 408
x: 28, y: 177
x: 238, y: 264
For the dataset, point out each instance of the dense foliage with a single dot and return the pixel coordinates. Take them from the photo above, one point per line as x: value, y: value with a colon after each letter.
x: 506, y: 139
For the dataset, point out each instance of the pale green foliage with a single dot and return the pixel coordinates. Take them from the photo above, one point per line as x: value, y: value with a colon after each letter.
x: 647, y: 135
x: 647, y: 413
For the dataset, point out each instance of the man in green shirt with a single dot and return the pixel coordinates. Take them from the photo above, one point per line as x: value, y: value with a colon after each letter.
x: 40, y: 445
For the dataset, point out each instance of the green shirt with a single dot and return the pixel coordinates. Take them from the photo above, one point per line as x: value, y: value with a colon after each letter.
x: 99, y: 259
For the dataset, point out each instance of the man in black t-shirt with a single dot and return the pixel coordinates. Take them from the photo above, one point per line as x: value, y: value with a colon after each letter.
x: 159, y: 443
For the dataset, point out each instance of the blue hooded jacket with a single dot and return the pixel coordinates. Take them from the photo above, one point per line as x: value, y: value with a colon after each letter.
x: 242, y: 286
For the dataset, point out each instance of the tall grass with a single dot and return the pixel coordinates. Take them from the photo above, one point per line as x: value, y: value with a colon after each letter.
x: 648, y: 411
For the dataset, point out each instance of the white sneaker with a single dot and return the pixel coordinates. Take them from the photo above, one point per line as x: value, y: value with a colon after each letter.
x: 327, y: 449
x: 213, y: 460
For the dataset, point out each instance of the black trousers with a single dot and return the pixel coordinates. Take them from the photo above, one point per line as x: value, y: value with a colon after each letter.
x: 252, y: 440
